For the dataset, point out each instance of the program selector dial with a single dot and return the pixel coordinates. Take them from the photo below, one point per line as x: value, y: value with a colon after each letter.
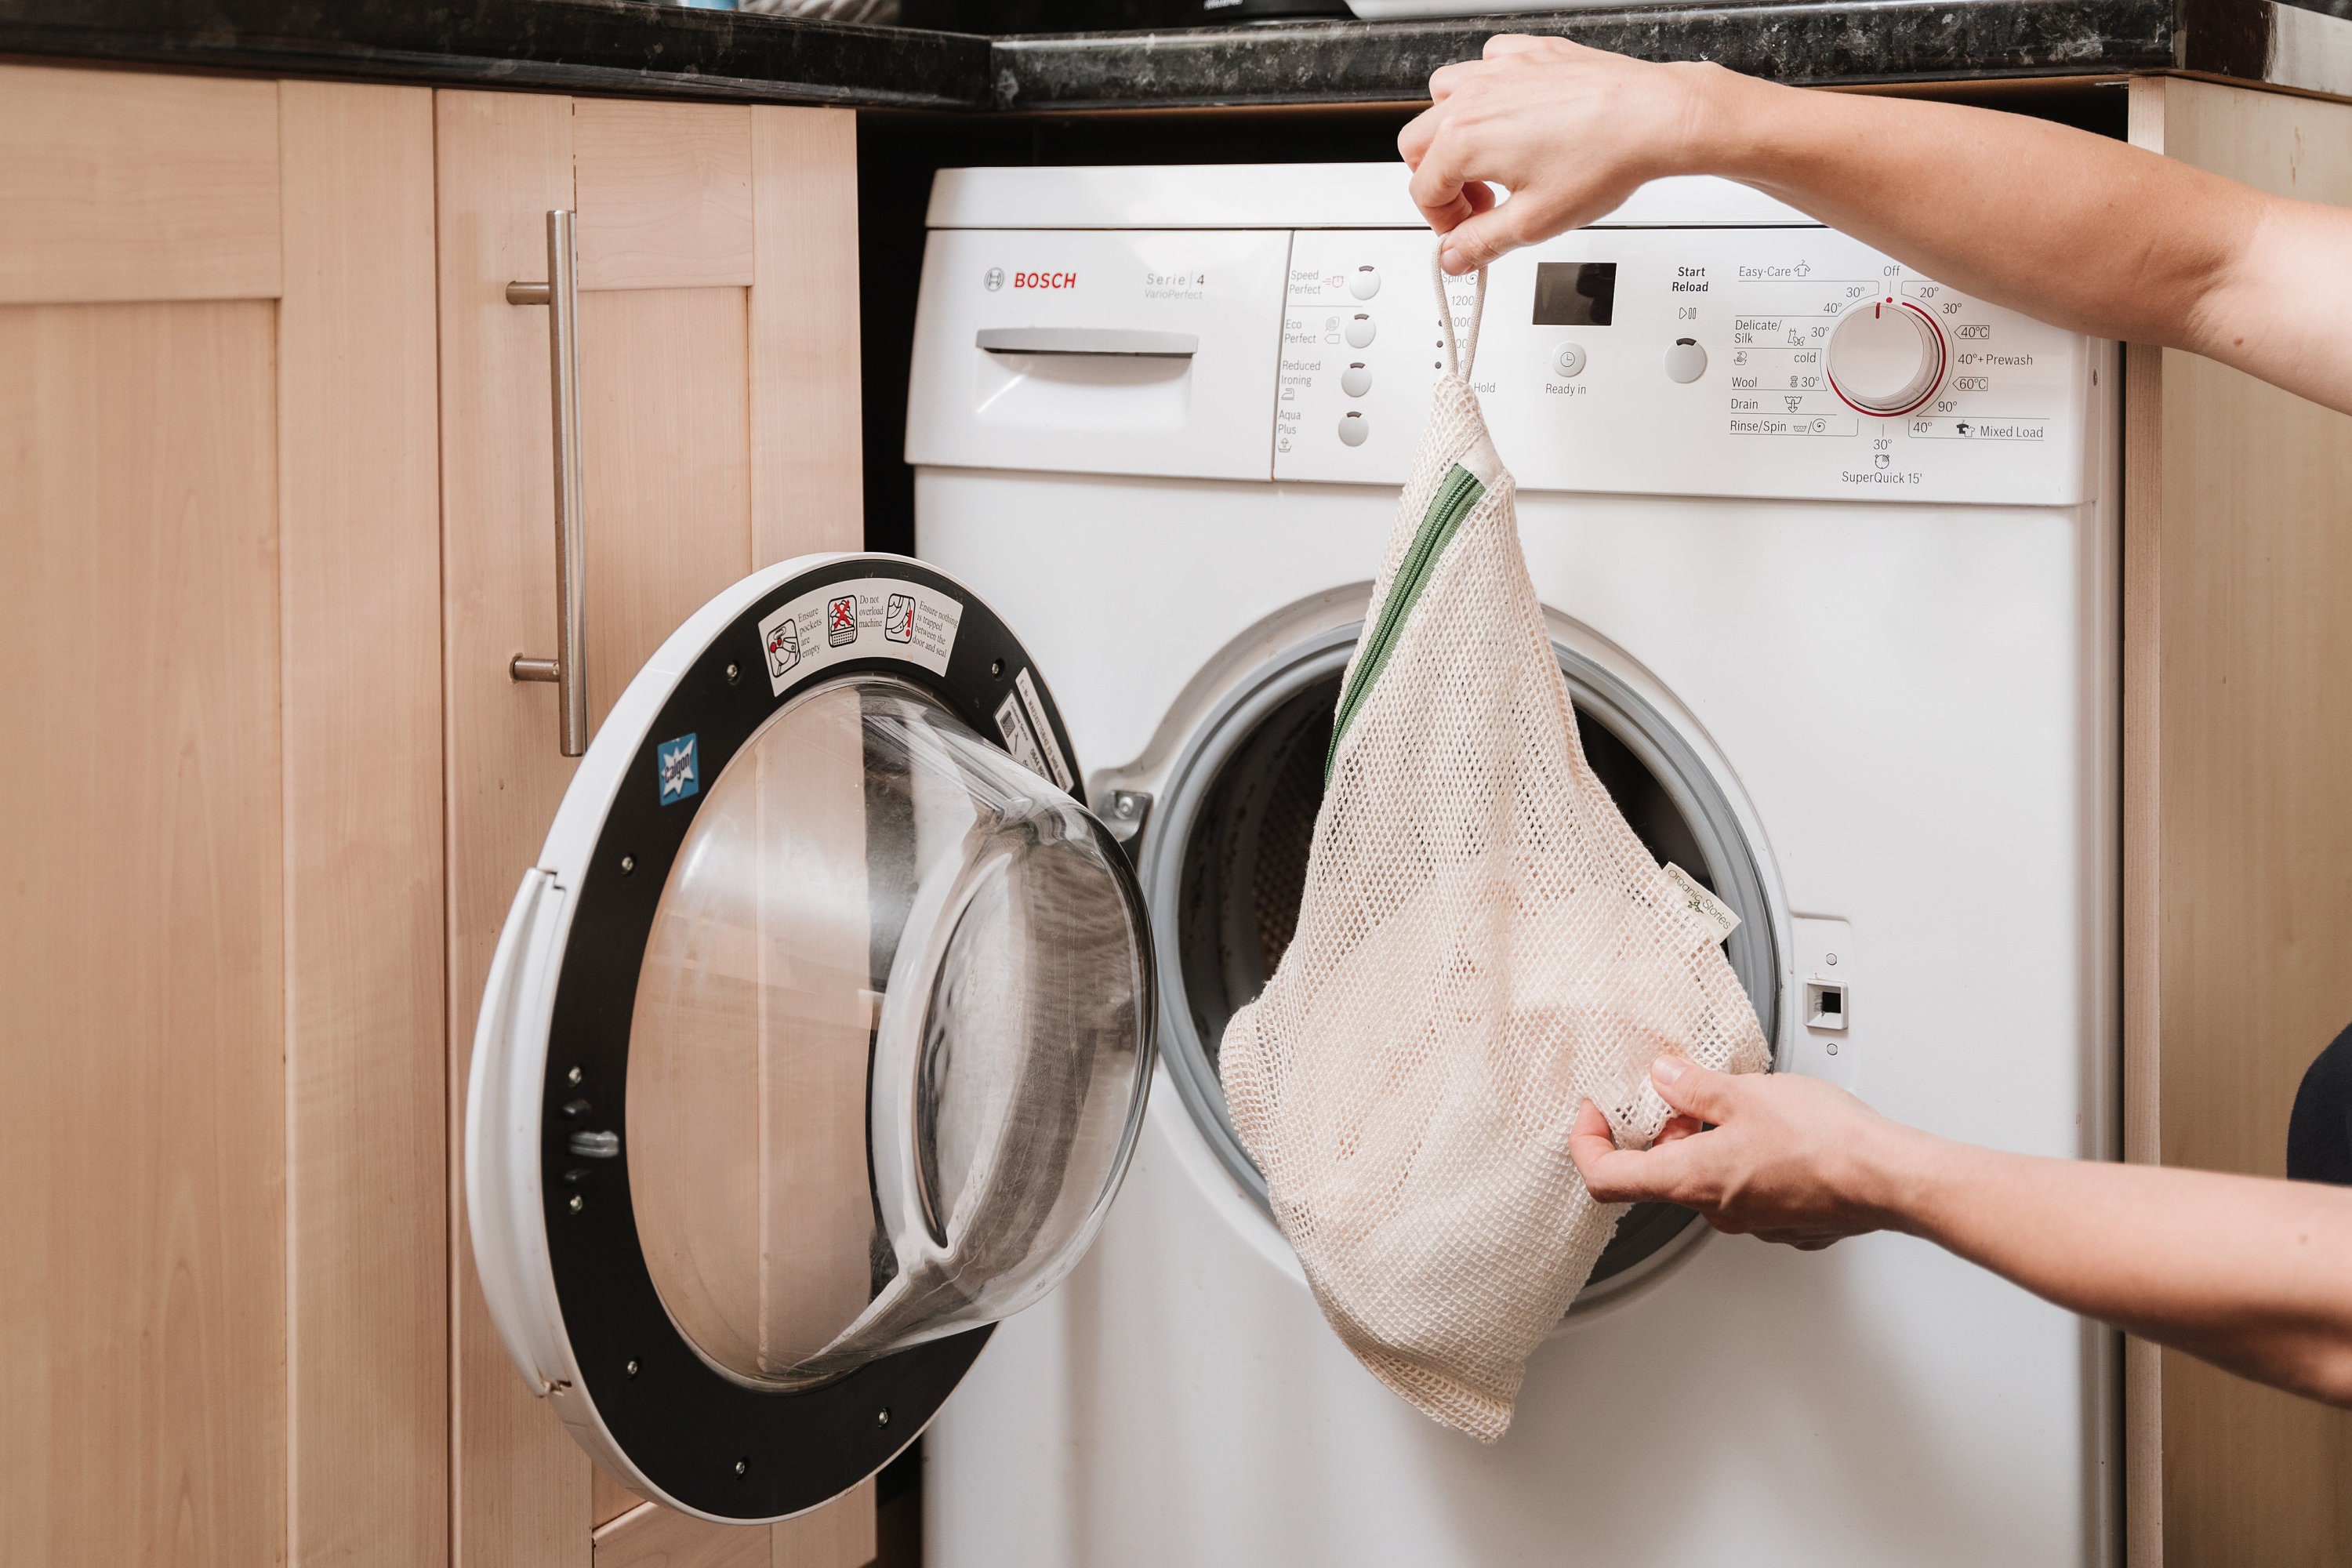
x: 1886, y: 357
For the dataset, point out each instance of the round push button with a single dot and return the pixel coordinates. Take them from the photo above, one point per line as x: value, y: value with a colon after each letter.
x: 1364, y: 282
x: 1686, y: 362
x: 1361, y: 331
x: 1568, y: 360
x: 1355, y: 381
x: 1353, y: 428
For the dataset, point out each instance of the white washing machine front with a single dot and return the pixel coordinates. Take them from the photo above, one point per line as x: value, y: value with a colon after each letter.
x: 1888, y: 703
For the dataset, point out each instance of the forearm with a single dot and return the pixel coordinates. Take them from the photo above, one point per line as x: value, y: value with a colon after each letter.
x: 2253, y: 1276
x: 2073, y: 228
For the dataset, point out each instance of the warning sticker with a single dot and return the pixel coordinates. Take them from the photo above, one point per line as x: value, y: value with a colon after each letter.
x: 862, y: 619
x: 1056, y: 768
x: 1019, y: 738
x: 783, y: 641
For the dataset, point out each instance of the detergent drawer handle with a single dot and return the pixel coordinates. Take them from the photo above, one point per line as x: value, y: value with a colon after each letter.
x: 569, y: 669
x: 1125, y: 341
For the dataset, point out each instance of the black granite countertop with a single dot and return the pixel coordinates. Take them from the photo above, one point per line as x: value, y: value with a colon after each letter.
x: 1806, y: 41
x: 614, y: 45
x: 626, y: 47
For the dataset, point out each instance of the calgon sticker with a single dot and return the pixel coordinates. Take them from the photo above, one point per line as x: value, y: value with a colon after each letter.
x: 676, y: 767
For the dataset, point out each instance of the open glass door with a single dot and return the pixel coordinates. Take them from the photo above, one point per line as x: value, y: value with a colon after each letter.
x: 816, y: 1041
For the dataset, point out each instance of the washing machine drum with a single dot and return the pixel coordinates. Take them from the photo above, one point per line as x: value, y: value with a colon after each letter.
x: 816, y: 1041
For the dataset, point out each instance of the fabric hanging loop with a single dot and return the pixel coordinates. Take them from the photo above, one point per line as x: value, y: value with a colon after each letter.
x: 1456, y: 366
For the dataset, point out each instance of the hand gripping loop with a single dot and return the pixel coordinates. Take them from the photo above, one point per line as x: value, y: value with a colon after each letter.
x: 1457, y: 365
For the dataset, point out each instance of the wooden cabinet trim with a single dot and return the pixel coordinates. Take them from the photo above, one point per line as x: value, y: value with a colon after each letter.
x: 518, y: 1492
x: 692, y: 388
x: 808, y: 478
x: 359, y: 569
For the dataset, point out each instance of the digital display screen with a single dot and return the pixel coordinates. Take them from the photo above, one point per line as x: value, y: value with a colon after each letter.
x: 1575, y: 293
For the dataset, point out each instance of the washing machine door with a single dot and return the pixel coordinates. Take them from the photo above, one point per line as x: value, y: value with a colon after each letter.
x: 816, y: 1040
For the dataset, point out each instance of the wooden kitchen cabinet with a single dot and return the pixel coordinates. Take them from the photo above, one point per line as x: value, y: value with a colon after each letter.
x: 274, y: 514
x: 221, y: 870
x: 2237, y: 834
x: 719, y: 393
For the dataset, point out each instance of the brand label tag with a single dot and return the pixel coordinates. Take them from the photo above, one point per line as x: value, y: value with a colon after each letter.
x: 1703, y: 906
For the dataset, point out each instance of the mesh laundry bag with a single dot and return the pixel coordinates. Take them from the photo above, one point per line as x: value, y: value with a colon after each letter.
x: 1483, y: 943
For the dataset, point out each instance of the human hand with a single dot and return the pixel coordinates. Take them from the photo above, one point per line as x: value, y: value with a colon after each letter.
x: 1787, y: 1158
x: 1570, y: 131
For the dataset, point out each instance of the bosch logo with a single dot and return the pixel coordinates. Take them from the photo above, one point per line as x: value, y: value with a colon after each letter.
x: 996, y: 278
x: 1044, y: 281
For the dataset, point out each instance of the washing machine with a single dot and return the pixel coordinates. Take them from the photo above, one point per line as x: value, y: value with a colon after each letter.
x: 1829, y: 551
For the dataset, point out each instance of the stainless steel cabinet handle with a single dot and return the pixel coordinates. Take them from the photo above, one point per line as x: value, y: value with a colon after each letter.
x: 569, y: 668
x: 1127, y: 342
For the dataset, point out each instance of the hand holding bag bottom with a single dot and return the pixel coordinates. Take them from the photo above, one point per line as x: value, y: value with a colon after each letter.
x: 1483, y: 943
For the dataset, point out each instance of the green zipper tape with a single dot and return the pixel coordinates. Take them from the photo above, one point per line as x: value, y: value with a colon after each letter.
x: 1455, y: 496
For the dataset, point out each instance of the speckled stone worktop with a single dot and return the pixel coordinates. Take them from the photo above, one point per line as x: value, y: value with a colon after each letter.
x: 1809, y: 41
x: 621, y: 46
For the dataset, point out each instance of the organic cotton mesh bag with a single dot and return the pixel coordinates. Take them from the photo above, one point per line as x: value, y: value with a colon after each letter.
x: 1483, y: 943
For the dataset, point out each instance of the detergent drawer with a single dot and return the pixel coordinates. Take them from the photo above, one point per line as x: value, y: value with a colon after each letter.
x: 1092, y: 351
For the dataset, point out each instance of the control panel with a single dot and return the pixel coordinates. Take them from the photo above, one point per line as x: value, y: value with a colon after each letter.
x: 1763, y: 361
x: 1759, y: 362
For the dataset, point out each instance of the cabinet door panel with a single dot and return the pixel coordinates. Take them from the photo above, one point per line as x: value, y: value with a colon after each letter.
x: 519, y: 1486
x: 142, y: 1111
x: 841, y: 1536
x: 227, y: 1103
x: 665, y: 194
x: 609, y: 1499
x: 665, y: 429
x: 652, y: 1536
x: 699, y: 396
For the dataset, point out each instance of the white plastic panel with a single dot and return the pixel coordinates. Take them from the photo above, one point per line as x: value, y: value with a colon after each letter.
x: 1848, y: 662
x: 1913, y: 1410
x: 1275, y: 195
x: 1823, y: 970
x: 1761, y: 419
x: 1323, y: 358
x: 1279, y: 384
x: 1206, y: 414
